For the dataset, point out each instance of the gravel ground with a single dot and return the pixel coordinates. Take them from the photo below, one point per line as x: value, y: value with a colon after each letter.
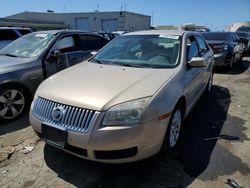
x: 202, y: 160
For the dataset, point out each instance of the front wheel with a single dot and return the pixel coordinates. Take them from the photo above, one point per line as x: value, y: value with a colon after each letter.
x: 13, y: 102
x: 173, y: 132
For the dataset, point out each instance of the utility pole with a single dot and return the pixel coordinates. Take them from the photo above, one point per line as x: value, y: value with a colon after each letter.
x: 97, y: 7
x: 152, y: 18
x: 125, y: 6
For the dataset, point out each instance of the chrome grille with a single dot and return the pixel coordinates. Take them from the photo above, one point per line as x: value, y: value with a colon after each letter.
x: 74, y: 118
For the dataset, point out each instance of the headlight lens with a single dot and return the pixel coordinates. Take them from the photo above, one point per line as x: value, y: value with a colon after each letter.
x: 225, y: 47
x: 125, y: 113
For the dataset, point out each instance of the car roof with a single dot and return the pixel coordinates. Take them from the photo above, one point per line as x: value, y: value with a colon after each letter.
x: 218, y: 32
x: 63, y: 31
x: 19, y: 28
x: 159, y: 32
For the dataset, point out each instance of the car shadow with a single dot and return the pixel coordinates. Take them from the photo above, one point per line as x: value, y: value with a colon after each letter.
x: 238, y: 68
x: 176, y: 170
x: 202, y: 127
x: 12, y: 126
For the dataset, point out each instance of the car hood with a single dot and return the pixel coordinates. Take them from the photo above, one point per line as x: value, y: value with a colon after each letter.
x: 8, y: 64
x: 98, y: 87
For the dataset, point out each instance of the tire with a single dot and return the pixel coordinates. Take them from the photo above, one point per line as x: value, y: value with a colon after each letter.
x: 14, y: 101
x: 231, y: 64
x: 173, y: 133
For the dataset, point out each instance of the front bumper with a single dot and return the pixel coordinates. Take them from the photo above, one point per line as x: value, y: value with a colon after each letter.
x: 221, y: 59
x: 116, y: 144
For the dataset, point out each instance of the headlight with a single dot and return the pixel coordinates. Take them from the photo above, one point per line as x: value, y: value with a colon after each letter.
x: 225, y: 47
x: 126, y: 113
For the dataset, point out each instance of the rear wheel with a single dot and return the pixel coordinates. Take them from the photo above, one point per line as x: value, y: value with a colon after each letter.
x: 13, y: 102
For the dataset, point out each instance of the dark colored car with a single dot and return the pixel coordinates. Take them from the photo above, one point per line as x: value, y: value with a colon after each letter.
x: 245, y: 37
x: 9, y: 34
x: 227, y: 47
x: 243, y: 29
x: 27, y: 61
x: 107, y: 35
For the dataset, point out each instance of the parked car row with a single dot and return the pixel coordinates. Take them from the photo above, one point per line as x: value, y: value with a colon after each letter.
x: 227, y: 46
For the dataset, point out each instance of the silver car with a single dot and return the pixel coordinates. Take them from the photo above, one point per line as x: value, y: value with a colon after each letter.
x: 127, y: 102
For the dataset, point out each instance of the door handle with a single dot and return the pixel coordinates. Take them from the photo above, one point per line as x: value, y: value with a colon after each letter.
x: 74, y: 60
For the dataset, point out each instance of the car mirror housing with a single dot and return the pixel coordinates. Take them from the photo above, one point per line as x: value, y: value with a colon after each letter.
x: 55, y: 53
x: 197, y: 62
x: 93, y: 53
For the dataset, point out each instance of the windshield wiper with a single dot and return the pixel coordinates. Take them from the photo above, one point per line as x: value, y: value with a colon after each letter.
x: 10, y: 55
x: 126, y: 65
x: 96, y: 61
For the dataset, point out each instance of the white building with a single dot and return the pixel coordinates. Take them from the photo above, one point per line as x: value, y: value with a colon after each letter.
x: 90, y: 21
x: 237, y: 25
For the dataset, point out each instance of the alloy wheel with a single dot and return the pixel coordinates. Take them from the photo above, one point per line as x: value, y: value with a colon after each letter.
x: 12, y: 103
x: 175, y: 127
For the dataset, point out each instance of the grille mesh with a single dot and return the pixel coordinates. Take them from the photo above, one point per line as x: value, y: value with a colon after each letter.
x: 74, y: 118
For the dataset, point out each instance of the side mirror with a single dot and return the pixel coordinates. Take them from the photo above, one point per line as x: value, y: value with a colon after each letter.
x: 93, y: 53
x: 55, y: 53
x: 197, y: 62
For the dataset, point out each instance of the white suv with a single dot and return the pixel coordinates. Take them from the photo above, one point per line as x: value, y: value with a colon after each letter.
x: 9, y: 34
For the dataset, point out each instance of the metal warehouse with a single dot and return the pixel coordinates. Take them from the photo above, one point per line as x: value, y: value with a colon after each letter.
x: 89, y: 21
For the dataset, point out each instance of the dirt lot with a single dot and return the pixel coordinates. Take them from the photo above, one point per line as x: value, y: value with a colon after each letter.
x: 201, y: 162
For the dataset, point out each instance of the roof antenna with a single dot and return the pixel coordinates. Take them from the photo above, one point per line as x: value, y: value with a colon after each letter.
x: 97, y: 7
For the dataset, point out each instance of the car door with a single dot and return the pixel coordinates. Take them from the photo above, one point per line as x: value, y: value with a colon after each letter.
x: 63, y: 54
x: 204, y: 52
x: 194, y: 76
x: 89, y: 43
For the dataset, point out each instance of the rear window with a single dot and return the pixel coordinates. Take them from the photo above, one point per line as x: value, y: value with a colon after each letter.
x: 24, y: 31
x: 8, y: 34
x: 215, y: 36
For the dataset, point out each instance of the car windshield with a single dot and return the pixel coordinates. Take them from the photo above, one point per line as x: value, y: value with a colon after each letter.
x: 244, y: 28
x: 28, y: 46
x: 215, y: 36
x: 154, y: 51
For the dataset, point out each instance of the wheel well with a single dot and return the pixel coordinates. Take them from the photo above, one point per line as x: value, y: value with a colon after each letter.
x: 15, y: 84
x: 182, y: 103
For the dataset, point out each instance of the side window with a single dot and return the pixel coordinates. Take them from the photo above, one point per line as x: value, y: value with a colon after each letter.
x: 91, y: 42
x: 66, y: 44
x: 8, y: 34
x: 203, y: 48
x: 192, y: 48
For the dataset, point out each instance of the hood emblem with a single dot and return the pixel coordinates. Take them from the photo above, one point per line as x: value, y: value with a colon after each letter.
x: 58, y: 113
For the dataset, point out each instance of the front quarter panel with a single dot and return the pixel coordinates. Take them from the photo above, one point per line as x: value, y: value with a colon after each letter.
x: 164, y: 100
x: 29, y: 75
